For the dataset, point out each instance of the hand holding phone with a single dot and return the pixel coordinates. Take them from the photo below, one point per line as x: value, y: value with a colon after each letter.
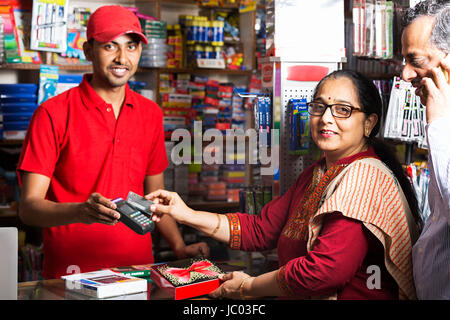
x: 437, y: 92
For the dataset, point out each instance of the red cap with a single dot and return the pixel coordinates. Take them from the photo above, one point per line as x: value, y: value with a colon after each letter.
x: 110, y: 22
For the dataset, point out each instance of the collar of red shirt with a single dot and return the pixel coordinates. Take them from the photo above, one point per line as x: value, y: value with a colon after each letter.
x: 91, y: 98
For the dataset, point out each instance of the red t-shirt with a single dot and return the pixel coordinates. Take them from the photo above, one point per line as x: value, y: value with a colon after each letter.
x: 75, y: 139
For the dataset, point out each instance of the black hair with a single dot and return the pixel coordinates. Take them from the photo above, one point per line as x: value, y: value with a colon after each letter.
x: 370, y: 101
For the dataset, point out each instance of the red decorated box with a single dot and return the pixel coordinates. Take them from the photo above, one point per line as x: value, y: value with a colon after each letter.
x: 186, y: 278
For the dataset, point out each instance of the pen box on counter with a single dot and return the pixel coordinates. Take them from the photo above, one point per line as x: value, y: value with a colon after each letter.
x: 187, y: 278
x: 104, y: 284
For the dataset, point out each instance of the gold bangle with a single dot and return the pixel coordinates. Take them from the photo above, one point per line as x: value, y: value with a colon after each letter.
x: 241, y: 288
x: 218, y: 226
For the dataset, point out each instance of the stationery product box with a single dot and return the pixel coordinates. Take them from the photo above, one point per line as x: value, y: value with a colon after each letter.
x: 104, y: 284
x: 186, y: 278
x: 138, y: 271
x: 13, y: 135
x: 18, y: 88
x: 15, y: 130
x: 17, y: 116
x: 17, y: 107
x: 18, y: 98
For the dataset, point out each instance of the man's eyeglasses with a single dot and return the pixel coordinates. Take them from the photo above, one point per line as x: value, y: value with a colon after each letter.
x: 337, y: 110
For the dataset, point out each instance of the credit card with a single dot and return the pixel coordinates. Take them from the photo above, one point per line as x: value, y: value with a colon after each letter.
x: 139, y: 202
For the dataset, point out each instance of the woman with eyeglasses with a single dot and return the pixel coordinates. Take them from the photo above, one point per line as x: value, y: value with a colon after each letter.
x: 344, y: 229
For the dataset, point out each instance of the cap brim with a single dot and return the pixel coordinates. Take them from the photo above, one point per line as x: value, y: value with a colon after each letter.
x: 107, y: 38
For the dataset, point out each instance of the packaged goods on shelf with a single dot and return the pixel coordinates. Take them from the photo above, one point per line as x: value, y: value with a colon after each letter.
x: 175, y: 46
x: 76, y: 36
x: 406, y: 116
x: 373, y: 32
x: 49, y: 31
x: 420, y: 177
x: 299, y: 127
x: 253, y: 199
x: 154, y: 54
x: 17, y: 104
x: 67, y: 81
x: 137, y: 86
x: 10, y: 40
x: 74, y: 53
x: 30, y: 263
x: 263, y: 119
x: 204, y: 41
x: 48, y: 80
x: 22, y: 24
x: 2, y: 40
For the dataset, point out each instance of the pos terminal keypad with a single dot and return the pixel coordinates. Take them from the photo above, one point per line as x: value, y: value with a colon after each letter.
x: 133, y: 217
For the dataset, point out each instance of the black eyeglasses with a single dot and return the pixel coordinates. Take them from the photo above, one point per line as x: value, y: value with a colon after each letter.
x: 337, y: 110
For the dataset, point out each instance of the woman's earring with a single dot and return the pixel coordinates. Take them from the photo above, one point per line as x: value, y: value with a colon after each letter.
x: 367, y: 133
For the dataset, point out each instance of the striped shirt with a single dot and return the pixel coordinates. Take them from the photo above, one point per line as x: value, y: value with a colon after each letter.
x: 431, y: 253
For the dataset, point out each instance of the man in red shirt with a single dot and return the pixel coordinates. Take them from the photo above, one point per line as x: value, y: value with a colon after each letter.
x: 91, y: 144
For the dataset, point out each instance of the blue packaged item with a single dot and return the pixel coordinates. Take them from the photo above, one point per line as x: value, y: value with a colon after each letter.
x: 70, y: 78
x: 17, y: 98
x: 17, y: 107
x: 48, y: 81
x: 299, y: 127
x: 18, y: 88
x: 15, y: 125
x: 19, y: 116
x: 137, y: 85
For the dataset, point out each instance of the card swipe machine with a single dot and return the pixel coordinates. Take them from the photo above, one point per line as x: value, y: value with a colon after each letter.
x: 135, y: 213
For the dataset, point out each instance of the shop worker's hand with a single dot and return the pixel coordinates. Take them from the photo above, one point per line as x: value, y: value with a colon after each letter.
x: 230, y: 288
x: 193, y: 250
x: 98, y: 209
x: 166, y: 202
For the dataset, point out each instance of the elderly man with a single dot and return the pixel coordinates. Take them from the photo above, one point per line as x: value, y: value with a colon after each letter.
x: 425, y: 47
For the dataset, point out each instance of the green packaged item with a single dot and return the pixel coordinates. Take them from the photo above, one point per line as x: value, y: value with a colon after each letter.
x: 259, y: 201
x: 250, y: 202
x: 267, y: 195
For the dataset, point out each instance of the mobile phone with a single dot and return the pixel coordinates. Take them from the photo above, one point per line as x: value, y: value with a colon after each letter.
x: 133, y: 217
